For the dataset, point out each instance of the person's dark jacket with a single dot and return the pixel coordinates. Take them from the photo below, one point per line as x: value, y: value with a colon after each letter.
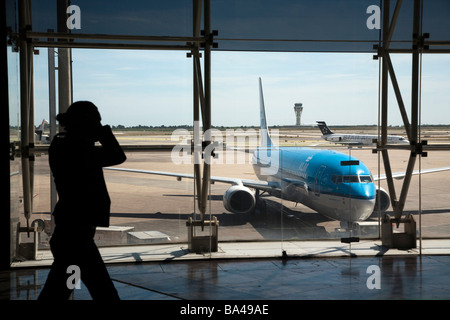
x: 77, y: 170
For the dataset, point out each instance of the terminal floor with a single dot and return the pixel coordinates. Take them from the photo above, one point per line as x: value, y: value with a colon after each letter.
x: 408, y: 277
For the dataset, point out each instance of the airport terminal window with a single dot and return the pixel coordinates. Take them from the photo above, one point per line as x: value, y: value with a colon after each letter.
x: 146, y: 97
x: 153, y: 209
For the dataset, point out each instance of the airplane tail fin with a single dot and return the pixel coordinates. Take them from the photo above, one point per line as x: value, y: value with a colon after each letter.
x: 265, y: 140
x: 324, y: 128
x: 42, y: 126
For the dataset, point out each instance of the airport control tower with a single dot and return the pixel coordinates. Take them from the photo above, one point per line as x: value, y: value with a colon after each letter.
x: 298, y: 108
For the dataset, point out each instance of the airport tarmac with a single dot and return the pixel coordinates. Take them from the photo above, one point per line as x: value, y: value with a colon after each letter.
x: 155, y: 208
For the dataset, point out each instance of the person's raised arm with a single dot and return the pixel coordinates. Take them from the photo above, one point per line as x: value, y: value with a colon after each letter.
x: 110, y: 153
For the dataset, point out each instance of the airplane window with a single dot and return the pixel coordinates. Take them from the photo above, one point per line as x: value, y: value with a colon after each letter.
x: 365, y: 179
x: 350, y: 179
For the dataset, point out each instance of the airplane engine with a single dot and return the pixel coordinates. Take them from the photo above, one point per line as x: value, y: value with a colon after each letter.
x: 384, y: 199
x: 239, y: 199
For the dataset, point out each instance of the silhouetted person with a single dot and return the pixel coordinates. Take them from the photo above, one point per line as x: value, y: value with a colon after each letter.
x: 83, y: 201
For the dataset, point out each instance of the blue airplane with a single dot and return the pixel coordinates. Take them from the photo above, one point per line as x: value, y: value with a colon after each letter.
x: 334, y: 184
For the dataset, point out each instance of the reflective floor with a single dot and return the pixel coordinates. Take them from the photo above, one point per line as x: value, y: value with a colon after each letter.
x: 355, y: 278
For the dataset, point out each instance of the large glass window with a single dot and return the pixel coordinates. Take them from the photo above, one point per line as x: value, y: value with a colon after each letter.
x: 313, y: 181
x: 145, y: 97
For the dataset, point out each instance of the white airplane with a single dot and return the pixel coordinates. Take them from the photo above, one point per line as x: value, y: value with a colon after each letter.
x: 356, y: 139
x: 334, y: 184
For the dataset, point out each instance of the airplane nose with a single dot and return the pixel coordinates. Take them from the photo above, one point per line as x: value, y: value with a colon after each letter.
x: 360, y: 210
x: 361, y: 205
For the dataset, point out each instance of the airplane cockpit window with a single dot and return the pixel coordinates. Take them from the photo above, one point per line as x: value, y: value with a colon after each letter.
x: 365, y: 179
x: 337, y: 179
x: 350, y: 179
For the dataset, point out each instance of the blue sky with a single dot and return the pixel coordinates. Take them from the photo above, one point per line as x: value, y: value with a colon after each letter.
x: 155, y: 87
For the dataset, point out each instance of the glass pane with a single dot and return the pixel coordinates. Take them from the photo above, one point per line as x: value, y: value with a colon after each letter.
x: 435, y: 190
x: 146, y: 98
x: 294, y: 25
x: 146, y: 208
x: 14, y: 136
x: 172, y: 18
x: 325, y: 84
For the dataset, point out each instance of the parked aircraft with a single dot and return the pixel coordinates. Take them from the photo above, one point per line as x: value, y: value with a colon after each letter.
x: 356, y: 139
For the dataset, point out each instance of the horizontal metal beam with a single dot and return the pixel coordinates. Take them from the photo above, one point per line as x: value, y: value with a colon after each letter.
x: 436, y: 43
x: 112, y: 37
x: 99, y: 45
x: 428, y: 51
x: 188, y: 42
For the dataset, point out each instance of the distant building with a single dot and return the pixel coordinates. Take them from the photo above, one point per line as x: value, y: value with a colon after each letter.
x: 298, y: 108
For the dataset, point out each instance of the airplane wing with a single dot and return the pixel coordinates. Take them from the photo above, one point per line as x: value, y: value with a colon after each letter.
x: 255, y: 184
x: 264, y: 185
x: 401, y: 175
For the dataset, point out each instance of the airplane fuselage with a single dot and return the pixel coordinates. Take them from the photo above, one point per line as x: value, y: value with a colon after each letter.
x: 360, y: 139
x: 335, y: 184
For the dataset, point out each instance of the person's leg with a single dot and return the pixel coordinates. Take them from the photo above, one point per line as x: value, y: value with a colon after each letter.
x: 55, y: 287
x: 94, y: 273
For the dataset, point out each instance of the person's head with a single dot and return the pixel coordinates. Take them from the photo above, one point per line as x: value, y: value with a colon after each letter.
x: 80, y: 115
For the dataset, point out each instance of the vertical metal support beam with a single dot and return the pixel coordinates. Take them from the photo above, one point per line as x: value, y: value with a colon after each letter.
x: 31, y: 127
x: 24, y: 24
x: 415, y: 72
x: 202, y: 100
x: 52, y: 90
x: 197, y: 12
x: 384, y: 104
x: 391, y: 26
x: 207, y: 110
x: 384, y: 75
x: 52, y: 118
x: 64, y: 60
x: 414, y: 105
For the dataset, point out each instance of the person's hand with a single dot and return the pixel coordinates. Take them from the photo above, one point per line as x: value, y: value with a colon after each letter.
x: 104, y: 133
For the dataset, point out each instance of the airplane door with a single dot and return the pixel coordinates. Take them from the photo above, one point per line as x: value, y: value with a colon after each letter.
x: 317, y: 179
